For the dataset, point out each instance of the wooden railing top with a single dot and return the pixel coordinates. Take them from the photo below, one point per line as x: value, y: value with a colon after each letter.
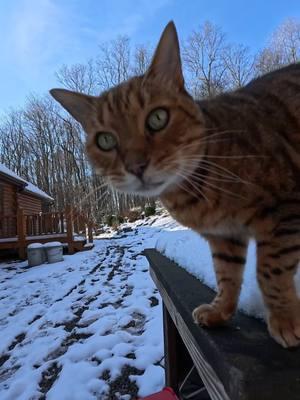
x: 236, y: 362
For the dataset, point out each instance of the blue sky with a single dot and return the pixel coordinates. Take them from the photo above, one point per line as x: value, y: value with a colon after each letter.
x: 38, y: 36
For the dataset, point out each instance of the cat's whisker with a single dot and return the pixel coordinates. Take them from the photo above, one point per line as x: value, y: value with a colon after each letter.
x: 219, y: 133
x: 225, y: 156
x: 185, y: 189
x: 212, y: 171
x: 217, y: 166
x: 218, y: 188
x: 196, y: 142
x: 219, y: 176
x: 219, y: 179
x: 216, y: 130
x: 208, y: 138
x: 208, y: 166
x: 186, y: 179
x: 205, y: 181
x: 238, y: 156
x: 85, y: 198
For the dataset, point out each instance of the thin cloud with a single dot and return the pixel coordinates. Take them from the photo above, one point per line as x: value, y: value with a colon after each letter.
x: 42, y: 35
x: 36, y: 33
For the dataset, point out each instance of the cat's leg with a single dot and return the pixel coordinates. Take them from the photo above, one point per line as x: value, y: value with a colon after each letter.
x: 229, y: 257
x: 276, y: 266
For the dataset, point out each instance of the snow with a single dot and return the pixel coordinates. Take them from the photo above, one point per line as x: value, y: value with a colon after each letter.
x: 52, y: 244
x: 10, y: 173
x: 29, y: 187
x: 35, y: 246
x: 150, y: 381
x: 89, y: 316
x: 34, y: 189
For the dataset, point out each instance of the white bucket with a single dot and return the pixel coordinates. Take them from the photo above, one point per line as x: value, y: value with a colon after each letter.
x: 54, y: 252
x: 35, y: 254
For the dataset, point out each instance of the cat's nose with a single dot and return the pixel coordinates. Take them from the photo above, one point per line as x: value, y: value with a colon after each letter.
x: 138, y: 168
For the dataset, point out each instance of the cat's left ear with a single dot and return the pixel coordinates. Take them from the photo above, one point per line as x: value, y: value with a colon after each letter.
x: 81, y: 106
x: 166, y: 62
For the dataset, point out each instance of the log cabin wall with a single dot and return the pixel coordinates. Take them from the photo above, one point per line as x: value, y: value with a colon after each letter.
x: 8, y: 209
x: 29, y: 203
x: 8, y: 198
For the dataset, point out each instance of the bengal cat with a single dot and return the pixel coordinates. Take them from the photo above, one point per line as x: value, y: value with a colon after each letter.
x: 227, y: 167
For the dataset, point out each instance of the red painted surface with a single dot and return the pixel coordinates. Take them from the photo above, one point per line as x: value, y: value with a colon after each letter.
x: 166, y: 394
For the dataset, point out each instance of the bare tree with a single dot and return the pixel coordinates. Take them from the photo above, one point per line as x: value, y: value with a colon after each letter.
x: 203, y: 57
x: 113, y: 62
x: 78, y: 77
x: 141, y: 59
x: 239, y: 64
x: 283, y: 47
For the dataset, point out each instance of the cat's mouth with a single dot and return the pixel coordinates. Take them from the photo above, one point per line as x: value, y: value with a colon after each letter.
x: 150, y: 188
x: 142, y: 188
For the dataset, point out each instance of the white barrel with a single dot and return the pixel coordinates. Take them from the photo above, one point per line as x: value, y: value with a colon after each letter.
x: 35, y: 254
x: 54, y: 252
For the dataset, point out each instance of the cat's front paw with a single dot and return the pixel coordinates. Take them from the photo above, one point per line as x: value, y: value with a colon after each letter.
x: 210, y: 315
x: 285, y: 328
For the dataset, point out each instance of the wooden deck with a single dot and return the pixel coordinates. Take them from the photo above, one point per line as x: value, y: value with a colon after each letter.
x: 236, y: 362
x: 70, y: 227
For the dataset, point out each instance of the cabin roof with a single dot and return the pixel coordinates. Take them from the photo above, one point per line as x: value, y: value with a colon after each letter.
x: 27, y: 187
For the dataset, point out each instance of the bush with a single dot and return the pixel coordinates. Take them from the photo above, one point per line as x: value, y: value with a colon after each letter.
x: 114, y: 220
x: 149, y: 210
x: 120, y: 219
x: 109, y: 219
x: 133, y: 214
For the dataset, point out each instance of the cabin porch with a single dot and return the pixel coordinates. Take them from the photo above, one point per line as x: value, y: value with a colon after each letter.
x: 70, y: 227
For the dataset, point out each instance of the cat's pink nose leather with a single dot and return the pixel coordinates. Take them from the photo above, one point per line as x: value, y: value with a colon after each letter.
x: 138, y: 168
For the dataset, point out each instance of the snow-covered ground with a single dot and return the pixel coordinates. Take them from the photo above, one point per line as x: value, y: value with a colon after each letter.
x: 90, y: 327
x: 85, y: 328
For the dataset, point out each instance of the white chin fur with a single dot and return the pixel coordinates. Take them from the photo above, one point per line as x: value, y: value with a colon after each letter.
x: 134, y: 186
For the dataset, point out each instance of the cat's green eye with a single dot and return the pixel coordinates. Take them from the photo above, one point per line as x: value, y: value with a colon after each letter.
x: 106, y: 141
x: 157, y: 119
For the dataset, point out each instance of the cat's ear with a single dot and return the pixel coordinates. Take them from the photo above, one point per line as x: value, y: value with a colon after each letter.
x: 81, y: 106
x: 166, y: 62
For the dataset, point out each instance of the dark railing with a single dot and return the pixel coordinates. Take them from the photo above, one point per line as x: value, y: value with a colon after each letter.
x: 45, y: 224
x: 8, y: 226
x: 26, y: 227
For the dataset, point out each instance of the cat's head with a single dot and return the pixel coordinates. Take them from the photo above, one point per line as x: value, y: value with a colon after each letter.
x: 142, y: 135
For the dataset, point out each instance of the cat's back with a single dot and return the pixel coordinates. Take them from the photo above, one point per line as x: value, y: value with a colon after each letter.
x: 283, y: 83
x: 263, y: 116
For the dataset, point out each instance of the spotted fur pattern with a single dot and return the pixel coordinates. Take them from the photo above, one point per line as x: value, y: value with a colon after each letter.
x: 227, y: 167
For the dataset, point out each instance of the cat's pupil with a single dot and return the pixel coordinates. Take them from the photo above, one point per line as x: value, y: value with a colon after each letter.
x: 157, y: 119
x: 106, y: 141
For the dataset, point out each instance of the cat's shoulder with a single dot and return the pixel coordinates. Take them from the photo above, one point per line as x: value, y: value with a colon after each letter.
x: 292, y: 70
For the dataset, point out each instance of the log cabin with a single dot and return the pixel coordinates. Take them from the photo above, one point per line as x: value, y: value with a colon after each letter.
x: 25, y: 217
x: 17, y: 193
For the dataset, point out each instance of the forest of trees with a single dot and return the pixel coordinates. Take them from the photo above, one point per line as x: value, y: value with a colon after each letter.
x: 44, y: 145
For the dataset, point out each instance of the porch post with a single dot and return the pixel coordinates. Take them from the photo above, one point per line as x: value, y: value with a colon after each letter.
x: 21, y: 232
x: 69, y: 220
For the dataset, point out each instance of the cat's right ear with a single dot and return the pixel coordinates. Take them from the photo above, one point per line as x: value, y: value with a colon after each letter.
x: 81, y: 106
x: 166, y: 63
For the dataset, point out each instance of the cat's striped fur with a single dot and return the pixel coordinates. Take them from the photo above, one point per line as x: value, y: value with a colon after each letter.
x: 227, y: 167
